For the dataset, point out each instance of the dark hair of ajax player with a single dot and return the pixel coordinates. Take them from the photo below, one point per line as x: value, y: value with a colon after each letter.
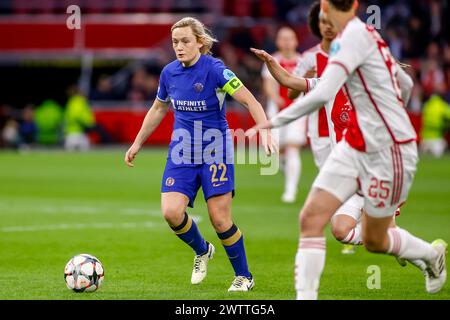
x: 313, y: 19
x: 342, y: 5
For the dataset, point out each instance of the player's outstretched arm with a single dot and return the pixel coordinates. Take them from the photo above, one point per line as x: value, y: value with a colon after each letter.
x: 332, y: 80
x: 151, y: 121
x: 279, y: 73
x: 246, y: 98
x: 292, y: 93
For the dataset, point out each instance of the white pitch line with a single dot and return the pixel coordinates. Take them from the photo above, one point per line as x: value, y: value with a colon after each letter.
x: 78, y: 226
x: 39, y: 209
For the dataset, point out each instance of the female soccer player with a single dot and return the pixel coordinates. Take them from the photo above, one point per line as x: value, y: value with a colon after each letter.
x: 379, y: 151
x: 327, y: 126
x: 195, y: 84
x: 292, y: 136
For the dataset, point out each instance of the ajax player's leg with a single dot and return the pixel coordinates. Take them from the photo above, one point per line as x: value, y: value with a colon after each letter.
x: 379, y: 237
x: 346, y: 224
x: 382, y: 198
x: 292, y: 137
x: 292, y: 172
x: 310, y: 258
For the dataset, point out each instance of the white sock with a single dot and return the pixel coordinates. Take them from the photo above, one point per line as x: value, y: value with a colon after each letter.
x: 292, y: 170
x: 404, y: 245
x: 309, y: 263
x: 354, y: 236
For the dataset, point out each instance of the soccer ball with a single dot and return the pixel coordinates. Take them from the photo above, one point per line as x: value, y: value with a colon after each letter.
x: 83, y: 273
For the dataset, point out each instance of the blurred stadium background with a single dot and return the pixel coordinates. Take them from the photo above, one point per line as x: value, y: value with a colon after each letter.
x: 54, y: 205
x: 116, y: 57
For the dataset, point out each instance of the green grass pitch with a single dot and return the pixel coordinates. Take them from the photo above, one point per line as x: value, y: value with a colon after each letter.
x: 54, y: 205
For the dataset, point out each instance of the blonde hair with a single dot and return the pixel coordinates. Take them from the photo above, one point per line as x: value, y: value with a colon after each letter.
x: 202, y: 33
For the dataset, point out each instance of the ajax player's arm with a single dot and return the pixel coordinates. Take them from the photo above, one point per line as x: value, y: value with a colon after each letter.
x: 293, y: 93
x: 330, y: 83
x: 346, y: 54
x: 280, y: 74
x: 235, y: 88
x: 151, y: 121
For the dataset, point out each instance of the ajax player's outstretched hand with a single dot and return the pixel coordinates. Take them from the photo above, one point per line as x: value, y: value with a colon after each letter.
x: 131, y: 154
x: 262, y: 55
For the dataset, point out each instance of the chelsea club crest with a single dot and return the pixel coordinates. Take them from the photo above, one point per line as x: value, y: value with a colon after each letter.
x: 198, y: 87
x: 170, y: 181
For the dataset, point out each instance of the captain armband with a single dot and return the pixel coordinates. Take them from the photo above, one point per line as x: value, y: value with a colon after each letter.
x: 233, y: 85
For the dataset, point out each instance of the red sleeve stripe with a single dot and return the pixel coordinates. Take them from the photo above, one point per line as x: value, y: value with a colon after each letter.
x: 342, y: 65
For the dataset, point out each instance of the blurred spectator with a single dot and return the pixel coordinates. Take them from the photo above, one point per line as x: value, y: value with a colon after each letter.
x: 27, y: 128
x: 418, y: 37
x: 138, y: 85
x: 435, y: 120
x: 49, y: 118
x: 78, y: 119
x: 9, y: 133
x: 432, y: 78
x: 103, y: 90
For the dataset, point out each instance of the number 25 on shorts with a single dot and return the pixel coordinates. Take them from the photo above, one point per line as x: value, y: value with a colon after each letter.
x: 214, y: 168
x: 379, y: 189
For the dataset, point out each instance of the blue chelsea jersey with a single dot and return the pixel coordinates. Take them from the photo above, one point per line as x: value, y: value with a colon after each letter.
x: 197, y: 94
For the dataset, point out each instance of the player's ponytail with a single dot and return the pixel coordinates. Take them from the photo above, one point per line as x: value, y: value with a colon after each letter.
x: 202, y: 33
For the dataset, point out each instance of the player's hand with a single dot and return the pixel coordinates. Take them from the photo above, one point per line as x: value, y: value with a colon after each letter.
x: 131, y: 154
x: 262, y: 55
x: 269, y: 143
x: 253, y: 130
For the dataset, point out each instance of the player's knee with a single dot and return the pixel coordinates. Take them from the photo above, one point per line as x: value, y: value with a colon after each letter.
x: 339, y: 231
x: 221, y: 225
x: 220, y: 221
x: 173, y: 214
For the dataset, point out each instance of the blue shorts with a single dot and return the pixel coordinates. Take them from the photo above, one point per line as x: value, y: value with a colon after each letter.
x: 215, y: 179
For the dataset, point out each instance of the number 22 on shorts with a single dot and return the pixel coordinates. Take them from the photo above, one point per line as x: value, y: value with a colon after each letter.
x: 214, y: 168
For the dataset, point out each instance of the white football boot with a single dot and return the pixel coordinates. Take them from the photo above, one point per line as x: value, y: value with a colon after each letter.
x: 420, y: 264
x: 241, y: 283
x: 436, y: 272
x: 201, y: 265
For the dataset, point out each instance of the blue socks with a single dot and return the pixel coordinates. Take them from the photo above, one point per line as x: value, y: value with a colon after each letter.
x: 233, y: 242
x: 189, y: 233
